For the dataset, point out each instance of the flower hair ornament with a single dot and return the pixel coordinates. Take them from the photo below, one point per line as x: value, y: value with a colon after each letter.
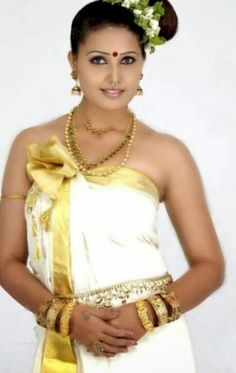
x: 148, y: 18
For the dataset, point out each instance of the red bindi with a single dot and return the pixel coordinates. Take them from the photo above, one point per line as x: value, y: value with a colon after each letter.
x: 114, y: 54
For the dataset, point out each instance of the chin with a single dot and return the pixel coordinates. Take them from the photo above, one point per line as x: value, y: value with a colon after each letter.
x: 112, y: 105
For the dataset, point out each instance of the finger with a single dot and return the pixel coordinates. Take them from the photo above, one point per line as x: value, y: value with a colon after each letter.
x: 109, y: 355
x: 116, y: 332
x: 123, y: 342
x: 108, y: 349
x: 113, y: 349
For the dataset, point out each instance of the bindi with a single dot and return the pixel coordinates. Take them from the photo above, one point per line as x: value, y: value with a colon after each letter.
x: 114, y: 54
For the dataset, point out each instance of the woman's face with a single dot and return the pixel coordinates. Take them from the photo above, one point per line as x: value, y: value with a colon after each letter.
x: 110, y: 54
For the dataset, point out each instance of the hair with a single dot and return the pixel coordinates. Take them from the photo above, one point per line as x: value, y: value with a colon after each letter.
x: 99, y: 14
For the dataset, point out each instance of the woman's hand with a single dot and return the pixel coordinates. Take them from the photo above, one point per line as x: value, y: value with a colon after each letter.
x: 129, y: 318
x: 89, y: 324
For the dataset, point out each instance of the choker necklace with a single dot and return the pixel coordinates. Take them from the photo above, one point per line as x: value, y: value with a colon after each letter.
x: 83, y: 165
x: 98, y: 131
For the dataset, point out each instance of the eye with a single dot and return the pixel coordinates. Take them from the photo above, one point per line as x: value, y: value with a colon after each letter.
x: 129, y: 58
x: 96, y: 60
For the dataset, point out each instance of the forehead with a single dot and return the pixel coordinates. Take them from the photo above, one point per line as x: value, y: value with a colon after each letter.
x: 118, y: 38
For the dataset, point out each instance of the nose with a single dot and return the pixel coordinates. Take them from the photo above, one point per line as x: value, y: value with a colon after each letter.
x: 114, y: 73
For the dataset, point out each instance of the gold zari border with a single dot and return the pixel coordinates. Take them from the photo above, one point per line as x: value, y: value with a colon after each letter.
x: 58, y: 356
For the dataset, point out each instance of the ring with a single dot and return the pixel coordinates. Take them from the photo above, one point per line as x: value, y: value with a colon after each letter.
x: 97, y: 347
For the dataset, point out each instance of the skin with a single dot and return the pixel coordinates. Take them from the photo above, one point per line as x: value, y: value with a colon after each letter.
x: 164, y: 159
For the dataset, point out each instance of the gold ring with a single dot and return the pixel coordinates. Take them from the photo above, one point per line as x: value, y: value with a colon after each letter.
x: 97, y: 347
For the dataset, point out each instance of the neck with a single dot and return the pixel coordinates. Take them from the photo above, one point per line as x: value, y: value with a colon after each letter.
x: 102, y: 118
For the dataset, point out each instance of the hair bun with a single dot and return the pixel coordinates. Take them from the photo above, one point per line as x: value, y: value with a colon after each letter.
x: 169, y: 22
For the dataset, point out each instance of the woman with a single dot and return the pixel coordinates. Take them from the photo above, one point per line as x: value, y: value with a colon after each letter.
x: 80, y: 198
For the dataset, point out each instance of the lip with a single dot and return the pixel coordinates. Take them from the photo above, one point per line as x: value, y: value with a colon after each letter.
x: 112, y: 93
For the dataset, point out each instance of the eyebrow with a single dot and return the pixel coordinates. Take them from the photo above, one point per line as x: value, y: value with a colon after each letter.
x: 108, y: 54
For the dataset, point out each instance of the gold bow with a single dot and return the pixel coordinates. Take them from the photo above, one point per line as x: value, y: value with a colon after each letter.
x: 49, y: 164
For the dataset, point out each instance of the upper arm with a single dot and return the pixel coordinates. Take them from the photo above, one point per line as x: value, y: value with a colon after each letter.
x: 12, y: 222
x: 187, y: 207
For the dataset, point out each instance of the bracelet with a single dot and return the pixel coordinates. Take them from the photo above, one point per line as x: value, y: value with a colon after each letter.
x: 143, y: 315
x: 12, y: 196
x: 65, y: 318
x: 160, y: 309
x: 172, y: 300
x: 42, y: 312
x: 52, y: 313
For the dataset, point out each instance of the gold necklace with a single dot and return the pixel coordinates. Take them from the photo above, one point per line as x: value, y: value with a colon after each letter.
x: 82, y: 161
x: 96, y: 131
x: 73, y: 148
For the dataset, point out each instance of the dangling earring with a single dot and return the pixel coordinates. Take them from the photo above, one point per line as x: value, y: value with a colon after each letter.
x: 76, y: 90
x: 140, y: 89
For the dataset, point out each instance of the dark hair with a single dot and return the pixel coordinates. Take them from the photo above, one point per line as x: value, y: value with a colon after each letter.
x: 98, y: 14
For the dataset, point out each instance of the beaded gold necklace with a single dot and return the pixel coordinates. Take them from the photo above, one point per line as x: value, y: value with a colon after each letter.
x: 79, y: 155
x: 84, y: 165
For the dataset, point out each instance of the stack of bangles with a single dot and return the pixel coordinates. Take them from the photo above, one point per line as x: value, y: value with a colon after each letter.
x: 55, y: 314
x: 165, y: 305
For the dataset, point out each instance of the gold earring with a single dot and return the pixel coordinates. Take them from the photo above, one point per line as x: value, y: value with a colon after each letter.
x: 139, y: 91
x: 76, y: 90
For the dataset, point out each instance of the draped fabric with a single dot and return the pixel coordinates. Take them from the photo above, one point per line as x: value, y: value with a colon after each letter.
x: 88, y: 232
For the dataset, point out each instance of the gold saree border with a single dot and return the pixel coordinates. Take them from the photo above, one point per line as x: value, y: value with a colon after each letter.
x: 124, y: 176
x: 49, y: 163
x: 58, y: 355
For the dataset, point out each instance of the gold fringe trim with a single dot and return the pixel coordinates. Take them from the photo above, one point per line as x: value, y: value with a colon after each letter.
x: 32, y: 198
x: 45, y: 218
x: 38, y: 251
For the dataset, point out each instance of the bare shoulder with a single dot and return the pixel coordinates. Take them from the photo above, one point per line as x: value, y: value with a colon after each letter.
x: 180, y: 172
x: 166, y: 156
x: 42, y: 132
x: 163, y: 141
x: 15, y: 178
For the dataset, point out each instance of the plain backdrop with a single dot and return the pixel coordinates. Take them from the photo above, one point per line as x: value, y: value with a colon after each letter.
x: 189, y: 91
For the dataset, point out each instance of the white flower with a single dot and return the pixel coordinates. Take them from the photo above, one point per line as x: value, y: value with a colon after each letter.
x: 134, y: 2
x: 145, y: 17
x: 150, y: 32
x: 137, y: 11
x: 126, y: 3
x: 154, y: 24
x: 149, y: 11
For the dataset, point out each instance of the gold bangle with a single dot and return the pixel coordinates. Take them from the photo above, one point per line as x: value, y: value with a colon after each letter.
x: 172, y: 300
x: 12, y: 196
x: 143, y: 315
x: 52, y: 313
x: 160, y: 309
x: 65, y: 318
x: 42, y: 312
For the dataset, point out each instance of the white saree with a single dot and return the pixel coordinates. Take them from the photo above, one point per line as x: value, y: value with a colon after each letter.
x: 92, y: 232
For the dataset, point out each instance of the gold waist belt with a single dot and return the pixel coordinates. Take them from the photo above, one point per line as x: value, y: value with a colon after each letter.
x: 120, y: 293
